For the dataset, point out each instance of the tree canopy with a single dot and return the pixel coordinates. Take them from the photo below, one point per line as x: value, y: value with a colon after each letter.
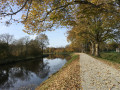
x: 42, y: 15
x: 94, y: 25
x: 90, y: 21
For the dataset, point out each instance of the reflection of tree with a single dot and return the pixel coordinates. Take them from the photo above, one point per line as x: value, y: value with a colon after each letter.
x: 23, y: 71
x: 62, y: 56
x: 43, y: 72
x: 19, y: 73
x: 10, y: 74
x: 3, y: 77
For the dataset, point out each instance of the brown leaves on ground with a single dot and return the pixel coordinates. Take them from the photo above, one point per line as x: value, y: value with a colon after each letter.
x: 68, y: 78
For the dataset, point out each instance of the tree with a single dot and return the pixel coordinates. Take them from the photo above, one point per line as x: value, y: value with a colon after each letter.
x: 117, y: 38
x: 42, y: 40
x: 26, y: 41
x: 76, y: 40
x: 3, y: 50
x: 94, y: 26
x: 7, y: 38
x: 20, y: 46
x: 42, y: 15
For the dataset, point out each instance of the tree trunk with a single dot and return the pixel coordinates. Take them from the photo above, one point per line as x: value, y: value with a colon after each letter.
x: 83, y: 48
x: 97, y: 49
x: 92, y: 49
x: 42, y: 50
x: 117, y: 50
x: 26, y: 50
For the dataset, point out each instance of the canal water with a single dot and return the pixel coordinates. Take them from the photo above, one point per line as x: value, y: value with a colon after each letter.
x: 29, y: 74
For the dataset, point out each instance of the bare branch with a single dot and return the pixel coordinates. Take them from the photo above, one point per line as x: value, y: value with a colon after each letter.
x: 89, y: 3
x: 28, y: 10
x: 63, y: 6
x: 8, y: 14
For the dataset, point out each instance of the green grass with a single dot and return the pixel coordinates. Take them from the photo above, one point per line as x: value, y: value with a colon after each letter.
x: 73, y: 57
x: 111, y: 56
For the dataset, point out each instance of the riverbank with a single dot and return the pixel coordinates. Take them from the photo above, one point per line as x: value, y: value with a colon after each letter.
x: 67, y: 78
x: 15, y: 60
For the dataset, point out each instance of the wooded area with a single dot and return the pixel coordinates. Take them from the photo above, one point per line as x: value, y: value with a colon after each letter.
x: 94, y: 25
x: 22, y: 48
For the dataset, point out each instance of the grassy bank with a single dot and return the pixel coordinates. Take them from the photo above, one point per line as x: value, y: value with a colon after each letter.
x: 67, y: 78
x: 111, y: 56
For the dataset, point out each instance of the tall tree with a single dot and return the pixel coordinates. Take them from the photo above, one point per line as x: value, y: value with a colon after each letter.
x: 95, y: 26
x: 42, y: 40
x: 26, y: 43
x: 8, y: 39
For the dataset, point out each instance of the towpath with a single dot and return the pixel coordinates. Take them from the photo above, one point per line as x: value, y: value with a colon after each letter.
x: 96, y: 75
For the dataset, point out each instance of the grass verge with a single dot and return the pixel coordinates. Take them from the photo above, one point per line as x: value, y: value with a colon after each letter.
x: 67, y: 78
x: 110, y: 58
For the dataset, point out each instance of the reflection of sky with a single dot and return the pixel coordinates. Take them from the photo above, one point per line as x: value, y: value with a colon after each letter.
x: 55, y: 64
x: 33, y: 80
x: 22, y: 76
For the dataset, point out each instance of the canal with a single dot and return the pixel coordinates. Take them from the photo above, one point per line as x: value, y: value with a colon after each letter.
x: 30, y: 74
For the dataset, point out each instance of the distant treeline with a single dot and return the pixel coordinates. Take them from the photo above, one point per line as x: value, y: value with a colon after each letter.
x: 84, y: 47
x: 59, y: 50
x: 23, y: 47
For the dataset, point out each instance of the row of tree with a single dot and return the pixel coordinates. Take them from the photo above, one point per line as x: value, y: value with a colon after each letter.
x: 95, y: 27
x: 92, y: 22
x: 23, y: 47
x: 60, y: 50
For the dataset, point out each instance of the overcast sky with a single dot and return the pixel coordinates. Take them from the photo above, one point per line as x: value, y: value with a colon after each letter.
x: 57, y: 38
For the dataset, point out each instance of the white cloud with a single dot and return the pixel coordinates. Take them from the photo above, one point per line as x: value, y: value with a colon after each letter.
x: 33, y: 36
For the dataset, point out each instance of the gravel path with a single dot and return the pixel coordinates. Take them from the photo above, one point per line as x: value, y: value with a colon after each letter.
x: 95, y: 75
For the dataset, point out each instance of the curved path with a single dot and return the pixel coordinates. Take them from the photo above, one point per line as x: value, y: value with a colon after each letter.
x: 95, y: 75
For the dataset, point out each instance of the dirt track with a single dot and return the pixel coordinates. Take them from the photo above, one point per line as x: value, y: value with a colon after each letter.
x: 96, y: 75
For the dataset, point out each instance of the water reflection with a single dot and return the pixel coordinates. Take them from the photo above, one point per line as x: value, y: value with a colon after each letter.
x: 62, y: 56
x: 30, y: 72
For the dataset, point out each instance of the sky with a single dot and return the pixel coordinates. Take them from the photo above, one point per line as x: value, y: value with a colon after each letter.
x: 56, y: 38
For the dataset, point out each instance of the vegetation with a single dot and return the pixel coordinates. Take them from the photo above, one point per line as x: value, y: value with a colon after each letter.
x: 94, y: 27
x: 59, y: 50
x: 111, y: 56
x: 74, y: 57
x: 91, y: 22
x: 24, y: 48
